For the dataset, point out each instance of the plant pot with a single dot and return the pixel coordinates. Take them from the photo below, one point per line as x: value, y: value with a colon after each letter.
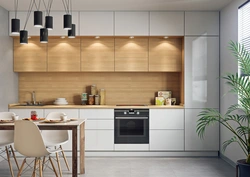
x: 244, y: 168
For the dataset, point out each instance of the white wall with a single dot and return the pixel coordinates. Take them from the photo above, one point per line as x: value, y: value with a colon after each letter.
x: 8, y: 79
x: 228, y: 31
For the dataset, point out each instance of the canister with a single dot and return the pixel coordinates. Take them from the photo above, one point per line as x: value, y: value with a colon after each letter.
x: 91, y: 99
x: 97, y: 99
x: 93, y: 89
x: 102, y: 95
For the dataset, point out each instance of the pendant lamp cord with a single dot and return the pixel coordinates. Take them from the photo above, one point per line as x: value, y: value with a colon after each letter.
x: 66, y: 5
x: 15, y: 6
x: 29, y: 12
x: 48, y: 7
x: 37, y: 7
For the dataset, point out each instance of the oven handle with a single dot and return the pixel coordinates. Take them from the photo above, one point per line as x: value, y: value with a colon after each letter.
x: 131, y: 117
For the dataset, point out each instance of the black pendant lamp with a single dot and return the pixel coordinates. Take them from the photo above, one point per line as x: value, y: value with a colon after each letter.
x: 67, y: 21
x: 44, y: 35
x: 15, y: 26
x: 23, y: 37
x: 72, y: 32
x: 38, y: 19
x: 49, y: 22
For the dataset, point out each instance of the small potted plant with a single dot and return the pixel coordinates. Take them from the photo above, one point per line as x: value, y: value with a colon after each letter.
x: 238, y: 113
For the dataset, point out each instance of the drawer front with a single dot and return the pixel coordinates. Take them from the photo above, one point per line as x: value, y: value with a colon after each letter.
x: 166, y: 119
x: 99, y: 124
x: 97, y: 114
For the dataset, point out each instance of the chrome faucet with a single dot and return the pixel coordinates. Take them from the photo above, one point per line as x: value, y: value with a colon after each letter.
x: 34, y: 97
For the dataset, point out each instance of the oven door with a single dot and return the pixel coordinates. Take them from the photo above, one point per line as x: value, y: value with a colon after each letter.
x: 131, y: 130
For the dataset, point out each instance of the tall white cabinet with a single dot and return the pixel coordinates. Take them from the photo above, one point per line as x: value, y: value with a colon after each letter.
x: 201, y: 76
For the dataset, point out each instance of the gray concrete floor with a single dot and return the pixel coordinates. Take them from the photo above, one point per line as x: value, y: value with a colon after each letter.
x: 141, y: 167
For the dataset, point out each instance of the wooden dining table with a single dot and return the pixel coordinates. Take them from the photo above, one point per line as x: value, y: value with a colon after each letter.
x: 69, y: 125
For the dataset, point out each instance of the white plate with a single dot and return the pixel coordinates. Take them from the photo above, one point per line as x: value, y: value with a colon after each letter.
x: 60, y: 103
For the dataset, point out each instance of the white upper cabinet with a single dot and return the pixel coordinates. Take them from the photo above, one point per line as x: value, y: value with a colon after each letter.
x: 202, y: 72
x: 132, y: 23
x: 166, y: 23
x: 96, y: 23
x: 202, y: 23
x: 192, y: 140
x: 32, y: 31
x: 58, y: 24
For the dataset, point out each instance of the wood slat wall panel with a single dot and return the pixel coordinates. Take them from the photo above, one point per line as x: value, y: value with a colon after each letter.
x: 31, y: 57
x: 131, y: 54
x: 97, y: 54
x: 165, y: 54
x: 64, y: 55
x: 129, y: 88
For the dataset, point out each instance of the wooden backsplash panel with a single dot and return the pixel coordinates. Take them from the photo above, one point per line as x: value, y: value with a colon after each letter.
x: 97, y: 54
x: 30, y: 57
x: 165, y: 54
x: 64, y: 55
x: 121, y: 88
x: 131, y: 54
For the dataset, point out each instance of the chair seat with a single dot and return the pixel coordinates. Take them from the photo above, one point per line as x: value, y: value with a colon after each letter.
x: 5, y: 143
x: 54, y: 143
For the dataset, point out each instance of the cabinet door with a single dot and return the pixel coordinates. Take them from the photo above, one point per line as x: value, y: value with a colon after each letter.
x: 71, y: 113
x: 166, y: 23
x: 96, y: 23
x: 64, y: 55
x: 192, y: 141
x: 132, y: 23
x: 166, y: 119
x: 97, y: 54
x: 58, y: 24
x: 97, y: 114
x: 99, y: 140
x: 22, y: 16
x: 31, y: 57
x: 166, y: 140
x: 165, y: 55
x: 202, y: 23
x: 131, y: 54
x: 201, y: 72
x: 25, y: 113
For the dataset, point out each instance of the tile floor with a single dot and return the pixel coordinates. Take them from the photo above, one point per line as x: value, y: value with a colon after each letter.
x: 142, y: 167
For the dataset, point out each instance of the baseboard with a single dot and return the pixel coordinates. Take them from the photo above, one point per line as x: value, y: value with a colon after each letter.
x: 226, y: 159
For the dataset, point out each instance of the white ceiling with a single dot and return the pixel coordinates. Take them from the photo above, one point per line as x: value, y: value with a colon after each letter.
x: 91, y: 5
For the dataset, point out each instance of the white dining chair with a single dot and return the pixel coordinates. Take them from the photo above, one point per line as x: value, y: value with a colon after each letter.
x: 6, y: 140
x: 56, y: 138
x: 29, y: 142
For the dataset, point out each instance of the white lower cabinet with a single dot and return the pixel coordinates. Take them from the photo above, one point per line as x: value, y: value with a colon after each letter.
x: 166, y: 140
x: 192, y: 141
x: 26, y: 113
x: 71, y: 113
x: 99, y: 140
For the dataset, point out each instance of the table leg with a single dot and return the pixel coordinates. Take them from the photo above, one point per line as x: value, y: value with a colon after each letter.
x: 82, y: 148
x: 74, y: 152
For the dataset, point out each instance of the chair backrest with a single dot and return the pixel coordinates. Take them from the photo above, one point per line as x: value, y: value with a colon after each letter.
x: 55, y: 135
x: 28, y: 140
x: 6, y: 136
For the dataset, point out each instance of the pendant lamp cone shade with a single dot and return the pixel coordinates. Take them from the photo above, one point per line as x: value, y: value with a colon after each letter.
x: 44, y: 35
x: 49, y: 22
x: 15, y: 26
x: 72, y: 32
x: 38, y: 19
x: 67, y: 22
x: 23, y: 37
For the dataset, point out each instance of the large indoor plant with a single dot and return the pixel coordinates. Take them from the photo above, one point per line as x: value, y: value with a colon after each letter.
x: 237, y: 117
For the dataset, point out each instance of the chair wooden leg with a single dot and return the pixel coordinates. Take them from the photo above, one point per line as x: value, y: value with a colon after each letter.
x: 59, y: 165
x: 40, y: 167
x: 53, y: 166
x: 34, y: 170
x: 43, y: 162
x: 21, y: 169
x: 8, y: 157
x: 65, y: 159
x: 14, y: 156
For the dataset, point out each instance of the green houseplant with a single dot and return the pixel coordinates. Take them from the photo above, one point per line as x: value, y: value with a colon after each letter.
x: 237, y: 117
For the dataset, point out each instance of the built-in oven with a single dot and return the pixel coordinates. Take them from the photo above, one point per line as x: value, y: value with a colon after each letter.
x: 131, y: 126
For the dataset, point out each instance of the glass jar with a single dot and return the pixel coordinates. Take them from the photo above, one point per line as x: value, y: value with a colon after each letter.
x: 97, y: 99
x: 102, y: 95
x: 91, y: 99
x: 93, y: 90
